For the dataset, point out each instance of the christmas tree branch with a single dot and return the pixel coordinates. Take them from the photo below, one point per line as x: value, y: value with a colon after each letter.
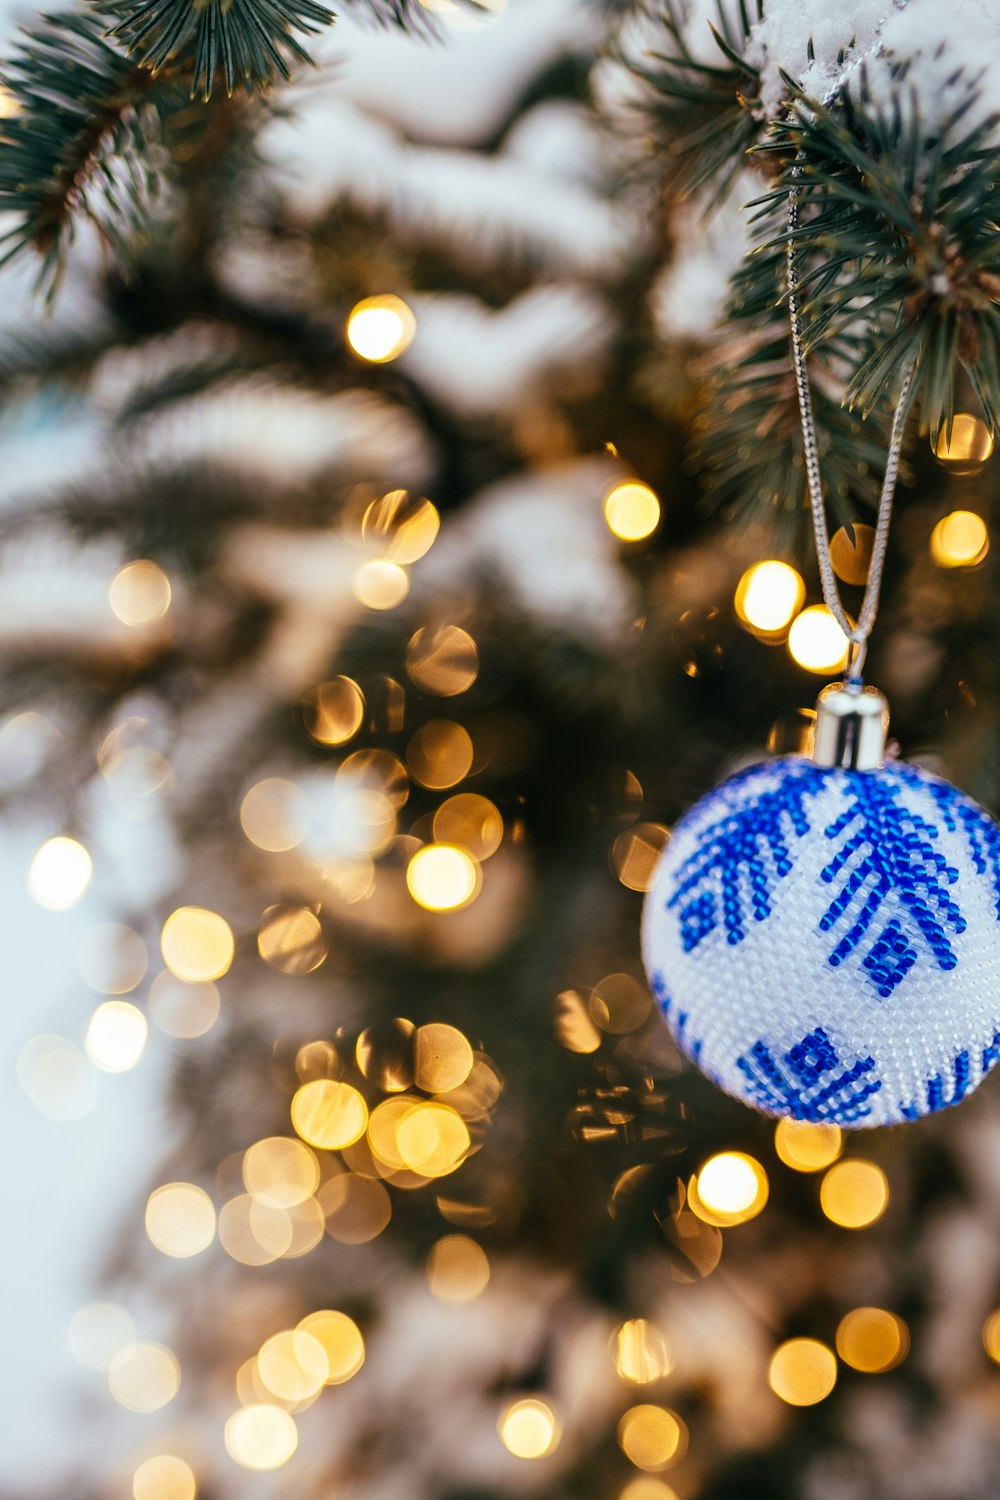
x: 79, y: 140
x: 700, y: 114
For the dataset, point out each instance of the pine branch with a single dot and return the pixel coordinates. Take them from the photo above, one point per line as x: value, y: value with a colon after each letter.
x: 79, y: 141
x: 899, y: 230
x: 244, y: 43
x: 701, y: 115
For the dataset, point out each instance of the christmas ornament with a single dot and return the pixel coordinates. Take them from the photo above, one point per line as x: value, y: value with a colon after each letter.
x: 823, y: 933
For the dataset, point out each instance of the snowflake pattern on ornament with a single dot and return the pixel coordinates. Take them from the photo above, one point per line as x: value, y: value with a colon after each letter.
x: 894, y: 876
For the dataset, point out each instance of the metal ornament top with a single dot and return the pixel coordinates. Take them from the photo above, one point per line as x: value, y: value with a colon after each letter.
x: 851, y: 727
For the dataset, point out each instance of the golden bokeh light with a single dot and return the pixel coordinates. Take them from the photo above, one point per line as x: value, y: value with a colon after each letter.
x: 329, y: 1114
x: 443, y: 877
x: 306, y: 1223
x: 443, y: 1058
x: 383, y: 1126
x: 991, y: 1336
x: 635, y: 852
x: 960, y: 540
x: 164, y: 1477
x: 98, y: 1332
x: 197, y: 944
x: 292, y: 1365
x: 528, y: 1429
x: 872, y: 1340
x: 816, y: 642
x: 280, y: 1171
x: 458, y: 1268
x: 647, y: 1489
x: 854, y: 1193
x: 112, y: 958
x: 574, y: 1027
x: 341, y: 1341
x: 378, y: 584
x: 183, y: 1010
x: 274, y: 814
x: 59, y: 873
x: 403, y: 526
x: 116, y: 1036
x: 729, y: 1189
x: 432, y: 1139
x: 376, y: 771
x: 357, y: 1208
x: 381, y: 328
x: 632, y: 511
x: 472, y: 822
x: 619, y: 1004
x: 291, y: 939
x: 253, y: 1233
x: 968, y: 445
x: 440, y: 754
x: 144, y: 1377
x: 139, y: 593
x: 180, y: 1219
x: 807, y: 1147
x: 652, y: 1437
x: 261, y: 1437
x: 768, y: 596
x: 57, y: 1077
x: 640, y: 1352
x: 802, y: 1371
x: 442, y: 659
x: 851, y: 557
x: 384, y: 1054
x: 334, y: 711
x: 319, y: 1059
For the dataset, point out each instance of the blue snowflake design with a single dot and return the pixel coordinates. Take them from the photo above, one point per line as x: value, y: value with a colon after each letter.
x: 882, y: 847
x: 810, y: 1083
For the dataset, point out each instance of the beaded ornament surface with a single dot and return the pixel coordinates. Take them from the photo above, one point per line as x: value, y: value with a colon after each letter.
x: 825, y: 943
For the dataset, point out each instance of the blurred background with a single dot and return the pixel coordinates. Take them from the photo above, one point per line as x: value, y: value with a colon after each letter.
x: 366, y: 623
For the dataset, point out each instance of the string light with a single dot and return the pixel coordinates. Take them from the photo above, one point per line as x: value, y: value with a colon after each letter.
x: 280, y: 1171
x: 59, y: 873
x: 850, y: 556
x: 164, y: 1477
x: 443, y: 660
x: 144, y: 1377
x: 442, y: 877
x: 640, y: 1352
x: 802, y: 1372
x: 991, y: 1336
x: 652, y: 1437
x: 405, y: 528
x: 632, y: 511
x: 329, y: 1114
x: 528, y: 1429
x: 381, y: 328
x: 261, y: 1437
x: 458, y: 1269
x: 854, y: 1193
x: 116, y: 1036
x: 274, y: 814
x: 334, y: 711
x: 293, y: 1366
x: 380, y: 585
x: 729, y: 1189
x: 807, y: 1147
x: 180, y: 1219
x: 197, y: 944
x: 112, y: 958
x: 872, y: 1340
x: 768, y: 596
x: 341, y: 1341
x: 816, y: 642
x: 183, y: 1010
x: 967, y: 446
x: 139, y: 593
x: 960, y: 540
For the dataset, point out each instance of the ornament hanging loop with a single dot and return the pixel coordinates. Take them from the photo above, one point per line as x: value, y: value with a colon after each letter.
x: 857, y: 650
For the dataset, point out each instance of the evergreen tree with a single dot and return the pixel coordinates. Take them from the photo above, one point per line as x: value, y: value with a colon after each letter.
x: 424, y: 451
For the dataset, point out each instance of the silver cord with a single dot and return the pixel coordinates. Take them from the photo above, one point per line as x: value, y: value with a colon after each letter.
x: 857, y: 634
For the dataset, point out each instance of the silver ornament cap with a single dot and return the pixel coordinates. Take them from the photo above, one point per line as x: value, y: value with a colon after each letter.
x: 852, y: 723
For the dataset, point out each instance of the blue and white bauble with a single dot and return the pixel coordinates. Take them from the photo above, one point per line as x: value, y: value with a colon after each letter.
x: 825, y: 943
